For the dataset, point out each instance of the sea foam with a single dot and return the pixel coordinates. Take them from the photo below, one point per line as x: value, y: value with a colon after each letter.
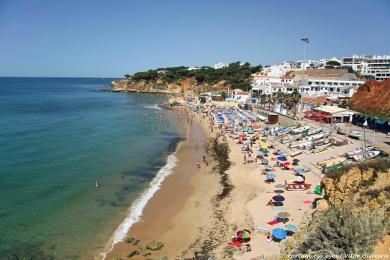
x: 139, y: 204
x: 155, y: 107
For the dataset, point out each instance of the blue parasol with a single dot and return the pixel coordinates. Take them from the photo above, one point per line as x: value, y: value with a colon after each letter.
x: 282, y: 159
x: 279, y: 233
x: 300, y: 170
x: 291, y: 228
x: 270, y: 176
x: 281, y: 153
x: 278, y: 198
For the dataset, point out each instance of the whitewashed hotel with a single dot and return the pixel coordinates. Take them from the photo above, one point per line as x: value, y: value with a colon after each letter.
x: 330, y: 87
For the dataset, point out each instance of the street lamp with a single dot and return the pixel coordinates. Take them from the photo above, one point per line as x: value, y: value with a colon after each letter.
x: 305, y: 42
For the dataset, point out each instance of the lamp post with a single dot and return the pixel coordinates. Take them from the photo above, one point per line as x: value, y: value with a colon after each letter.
x: 305, y: 42
x: 373, y: 140
x: 364, y: 133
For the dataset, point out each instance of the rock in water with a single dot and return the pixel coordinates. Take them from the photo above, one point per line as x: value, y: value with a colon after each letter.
x: 133, y: 253
x: 155, y: 245
x: 130, y: 239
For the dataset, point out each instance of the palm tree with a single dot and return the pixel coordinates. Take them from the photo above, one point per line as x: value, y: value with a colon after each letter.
x: 263, y: 98
x: 295, y: 98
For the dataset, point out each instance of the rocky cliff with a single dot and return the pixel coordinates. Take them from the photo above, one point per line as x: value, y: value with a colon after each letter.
x: 355, y: 219
x: 188, y: 84
x: 373, y: 96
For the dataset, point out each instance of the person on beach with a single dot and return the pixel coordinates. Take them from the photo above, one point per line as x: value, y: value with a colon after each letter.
x: 198, y: 164
x: 244, y: 158
x: 204, y: 158
x: 97, y: 184
x: 269, y: 238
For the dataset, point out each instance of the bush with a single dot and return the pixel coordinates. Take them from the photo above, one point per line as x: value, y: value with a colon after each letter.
x: 340, y: 231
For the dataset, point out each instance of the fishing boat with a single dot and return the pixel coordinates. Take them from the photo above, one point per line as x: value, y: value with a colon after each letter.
x: 365, y: 156
x: 301, y: 145
x: 314, y: 131
x: 300, y: 130
x: 341, y: 131
x: 355, y: 134
x: 320, y: 148
x: 358, y: 151
x: 291, y: 138
x: 332, y: 161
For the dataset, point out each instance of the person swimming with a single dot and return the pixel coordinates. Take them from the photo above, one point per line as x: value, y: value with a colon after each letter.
x: 97, y: 184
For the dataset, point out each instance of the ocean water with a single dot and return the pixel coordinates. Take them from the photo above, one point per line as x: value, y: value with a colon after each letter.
x: 57, y: 137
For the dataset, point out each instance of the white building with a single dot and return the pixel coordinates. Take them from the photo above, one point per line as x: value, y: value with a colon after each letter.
x: 220, y: 65
x: 193, y: 68
x: 329, y: 87
x: 278, y: 70
x: 376, y: 66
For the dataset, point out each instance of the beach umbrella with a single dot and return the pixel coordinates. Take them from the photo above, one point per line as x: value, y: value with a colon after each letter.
x: 260, y: 153
x: 244, y: 234
x: 286, y: 163
x: 250, y: 131
x: 281, y: 153
x: 291, y: 228
x: 283, y: 215
x: 244, y: 129
x: 300, y: 170
x: 278, y: 198
x: 270, y: 176
x: 282, y: 159
x: 243, y: 135
x: 264, y: 161
x: 279, y: 191
x: 296, y: 160
x: 279, y: 186
x: 279, y: 233
x: 266, y: 166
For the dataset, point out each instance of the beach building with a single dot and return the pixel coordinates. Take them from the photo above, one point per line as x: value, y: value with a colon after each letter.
x: 330, y: 114
x: 240, y: 96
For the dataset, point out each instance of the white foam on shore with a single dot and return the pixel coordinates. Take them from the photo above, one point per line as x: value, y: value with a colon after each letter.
x: 155, y: 107
x: 139, y: 204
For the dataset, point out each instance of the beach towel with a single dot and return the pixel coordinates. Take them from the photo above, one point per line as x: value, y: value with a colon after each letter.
x: 308, y: 201
x: 278, y: 208
x: 273, y: 222
x: 235, y: 244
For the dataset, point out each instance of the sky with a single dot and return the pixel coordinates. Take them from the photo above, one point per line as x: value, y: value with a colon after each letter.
x: 96, y: 38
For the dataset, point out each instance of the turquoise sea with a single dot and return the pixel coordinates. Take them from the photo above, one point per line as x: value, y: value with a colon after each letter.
x: 57, y: 137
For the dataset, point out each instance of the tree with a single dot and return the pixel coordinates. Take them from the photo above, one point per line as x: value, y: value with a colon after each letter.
x: 333, y: 63
x: 127, y: 76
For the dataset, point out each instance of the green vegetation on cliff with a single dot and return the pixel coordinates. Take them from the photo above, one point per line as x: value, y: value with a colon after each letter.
x: 234, y: 75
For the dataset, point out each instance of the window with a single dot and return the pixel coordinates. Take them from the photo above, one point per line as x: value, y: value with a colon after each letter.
x: 338, y: 89
x: 322, y: 83
x: 331, y: 89
x: 310, y: 83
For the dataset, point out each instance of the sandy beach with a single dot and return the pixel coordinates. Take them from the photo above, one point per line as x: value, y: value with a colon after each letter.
x: 179, y: 210
x: 188, y: 216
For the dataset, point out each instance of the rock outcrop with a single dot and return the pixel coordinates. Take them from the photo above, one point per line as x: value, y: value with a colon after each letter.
x: 373, y: 96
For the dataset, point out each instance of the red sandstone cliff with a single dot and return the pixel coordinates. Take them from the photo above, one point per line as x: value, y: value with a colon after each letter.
x: 373, y: 96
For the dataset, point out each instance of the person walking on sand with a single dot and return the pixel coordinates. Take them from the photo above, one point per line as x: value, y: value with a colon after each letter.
x: 204, y: 158
x: 198, y: 164
x: 244, y: 158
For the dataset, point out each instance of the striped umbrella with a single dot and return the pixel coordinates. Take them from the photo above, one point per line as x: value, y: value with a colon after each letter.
x: 244, y: 234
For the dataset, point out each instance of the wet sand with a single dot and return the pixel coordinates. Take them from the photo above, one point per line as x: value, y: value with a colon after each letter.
x: 181, y: 206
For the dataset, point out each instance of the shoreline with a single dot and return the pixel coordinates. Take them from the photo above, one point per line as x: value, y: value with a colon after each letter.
x: 167, y: 217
